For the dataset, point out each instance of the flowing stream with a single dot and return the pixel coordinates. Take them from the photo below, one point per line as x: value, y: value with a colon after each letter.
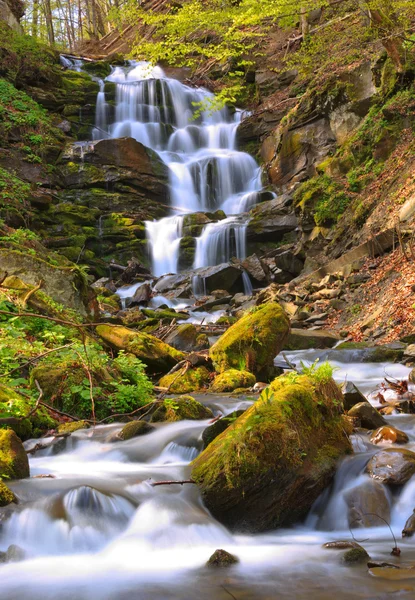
x: 97, y: 530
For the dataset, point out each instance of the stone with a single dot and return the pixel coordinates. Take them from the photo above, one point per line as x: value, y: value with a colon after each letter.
x: 304, y: 339
x: 13, y: 458
x: 351, y: 395
x: 212, y: 431
x: 232, y: 379
x: 317, y: 317
x: 221, y: 559
x: 409, y: 528
x: 341, y: 545
x: 254, y: 268
x: 225, y: 276
x: 369, y: 417
x: 367, y: 504
x: 393, y: 466
x: 15, y: 553
x: 192, y: 380
x: 134, y: 429
x: 64, y: 126
x: 6, y: 495
x: 72, y: 426
x: 390, y: 435
x: 355, y: 556
x: 270, y: 221
x: 409, y: 354
x: 185, y: 337
x: 181, y: 408
x: 270, y: 484
x: 157, y: 355
x: 253, y: 342
x: 142, y: 295
x: 288, y: 262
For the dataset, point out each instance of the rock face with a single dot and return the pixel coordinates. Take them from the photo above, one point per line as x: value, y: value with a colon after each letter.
x: 178, y: 409
x: 11, y: 13
x: 394, y: 466
x: 365, y: 502
x: 280, y: 455
x: 253, y: 342
x: 154, y: 353
x: 368, y: 415
x: 270, y: 220
x: 13, y: 458
x: 193, y: 380
x: 232, y: 379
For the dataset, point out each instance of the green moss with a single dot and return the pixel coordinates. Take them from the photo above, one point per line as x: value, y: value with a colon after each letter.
x: 192, y: 380
x: 134, y: 429
x: 222, y: 559
x: 6, y: 495
x: 181, y: 408
x: 252, y: 343
x: 13, y: 404
x: 355, y: 556
x: 100, y: 68
x: 324, y: 198
x: 231, y: 380
x: 72, y: 426
x: 13, y: 458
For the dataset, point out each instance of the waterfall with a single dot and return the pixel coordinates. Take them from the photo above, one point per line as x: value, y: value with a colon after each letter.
x: 206, y: 172
x: 101, y: 114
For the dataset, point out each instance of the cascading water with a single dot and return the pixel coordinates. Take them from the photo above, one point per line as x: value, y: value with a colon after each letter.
x: 207, y: 173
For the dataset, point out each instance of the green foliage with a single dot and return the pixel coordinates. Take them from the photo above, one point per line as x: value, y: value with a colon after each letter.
x: 14, y: 194
x: 318, y: 373
x: 324, y: 198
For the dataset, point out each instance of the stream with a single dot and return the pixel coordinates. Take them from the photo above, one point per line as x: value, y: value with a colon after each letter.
x: 98, y: 529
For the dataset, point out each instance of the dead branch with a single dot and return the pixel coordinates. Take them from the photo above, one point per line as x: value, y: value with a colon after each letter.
x: 31, y: 292
x: 156, y: 483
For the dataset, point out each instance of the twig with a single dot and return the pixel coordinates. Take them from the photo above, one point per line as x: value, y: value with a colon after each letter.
x: 63, y: 414
x: 130, y: 414
x: 228, y: 592
x: 156, y: 483
x: 31, y: 292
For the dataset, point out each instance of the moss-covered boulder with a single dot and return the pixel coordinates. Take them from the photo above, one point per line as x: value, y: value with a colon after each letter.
x: 212, y: 431
x: 231, y: 380
x: 13, y: 404
x: 221, y: 559
x: 193, y: 380
x: 157, y: 355
x: 6, y: 495
x: 134, y: 429
x: 253, y: 342
x: 355, y: 556
x: 13, y: 458
x: 181, y: 408
x: 72, y: 426
x: 267, y: 470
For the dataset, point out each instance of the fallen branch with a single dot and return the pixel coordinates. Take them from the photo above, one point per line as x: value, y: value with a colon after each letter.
x: 156, y: 483
x: 31, y: 292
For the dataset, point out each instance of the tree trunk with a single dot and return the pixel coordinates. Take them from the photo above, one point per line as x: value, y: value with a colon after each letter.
x: 305, y: 26
x: 392, y: 44
x: 35, y: 18
x: 49, y: 22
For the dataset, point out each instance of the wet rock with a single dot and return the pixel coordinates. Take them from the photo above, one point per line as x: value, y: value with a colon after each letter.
x: 232, y: 379
x: 192, y: 380
x: 6, y: 495
x: 252, y: 342
x: 14, y: 554
x: 355, y: 556
x: 367, y: 505
x: 304, y: 339
x: 374, y: 564
x: 186, y: 338
x: 398, y: 574
x: 389, y: 434
x: 409, y: 529
x: 341, y: 545
x: 13, y: 458
x: 157, y: 355
x: 271, y: 484
x: 351, y: 395
x: 369, y: 417
x: 72, y: 426
x: 134, y: 429
x: 142, y: 295
x: 181, y: 408
x: 212, y: 431
x: 394, y: 466
x: 254, y: 268
x: 221, y: 558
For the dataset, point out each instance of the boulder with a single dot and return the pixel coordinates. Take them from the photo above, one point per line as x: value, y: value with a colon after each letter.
x: 409, y: 529
x: 304, y: 339
x: 192, y: 380
x: 181, y: 408
x: 267, y: 470
x: 212, y: 431
x: 157, y: 355
x: 355, y: 556
x: 6, y: 495
x: 13, y: 404
x: 288, y: 262
x: 13, y: 458
x: 134, y: 429
x: 253, y: 342
x: 390, y: 435
x: 232, y: 379
x: 369, y: 417
x: 367, y: 505
x: 226, y: 276
x: 270, y: 221
x: 72, y: 426
x: 394, y: 466
x: 142, y: 295
x: 254, y: 268
x: 351, y: 395
x: 187, y: 338
x: 221, y: 559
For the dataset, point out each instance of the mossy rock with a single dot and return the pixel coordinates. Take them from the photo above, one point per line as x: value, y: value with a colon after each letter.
x: 13, y: 404
x: 355, y: 556
x: 158, y: 356
x: 100, y: 68
x: 72, y: 426
x: 185, y: 337
x: 180, y: 409
x: 253, y: 342
x: 212, y: 431
x: 134, y: 429
x: 6, y: 495
x: 267, y: 470
x: 232, y: 379
x: 222, y: 559
x: 13, y: 458
x: 193, y: 380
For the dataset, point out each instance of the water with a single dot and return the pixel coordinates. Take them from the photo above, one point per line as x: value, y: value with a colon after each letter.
x: 99, y: 531
x: 197, y: 144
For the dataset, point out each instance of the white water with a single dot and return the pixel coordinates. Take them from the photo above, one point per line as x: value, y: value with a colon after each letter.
x: 99, y: 531
x: 207, y: 173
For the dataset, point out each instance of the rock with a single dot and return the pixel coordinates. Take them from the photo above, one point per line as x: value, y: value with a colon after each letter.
x: 64, y: 126
x: 134, y: 429
x: 411, y: 376
x: 193, y: 380
x: 225, y: 276
x: 270, y: 221
x: 389, y: 434
x: 212, y: 431
x: 351, y: 395
x: 254, y: 268
x: 142, y: 295
x: 288, y: 262
x: 6, y: 495
x: 368, y: 415
x: 15, y: 553
x: 12, y: 403
x: 187, y: 338
x: 355, y: 556
x: 398, y: 574
x: 252, y: 342
x: 181, y: 408
x: 409, y: 354
x: 365, y: 502
x: 409, y: 529
x: 271, y: 484
x: 394, y: 466
x: 376, y: 564
x: 315, y: 317
x: 304, y: 339
x: 73, y: 426
x: 231, y: 380
x: 221, y: 558
x: 341, y: 545
x: 157, y: 355
x: 13, y: 458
